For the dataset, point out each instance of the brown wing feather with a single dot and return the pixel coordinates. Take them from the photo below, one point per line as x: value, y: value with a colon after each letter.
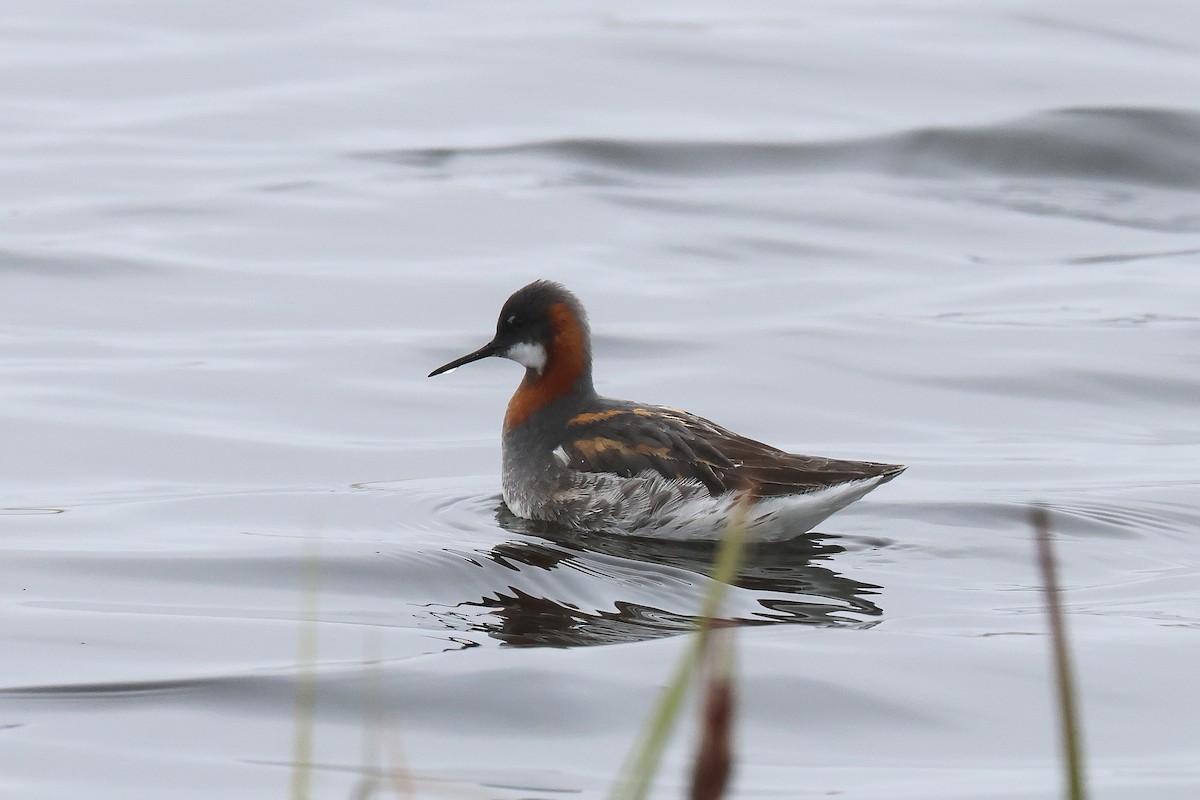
x: 626, y: 440
x: 634, y: 439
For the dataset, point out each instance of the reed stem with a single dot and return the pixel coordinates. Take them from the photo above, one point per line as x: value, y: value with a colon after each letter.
x: 1060, y: 649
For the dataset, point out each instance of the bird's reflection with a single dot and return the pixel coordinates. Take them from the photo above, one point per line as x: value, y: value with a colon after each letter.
x: 780, y: 582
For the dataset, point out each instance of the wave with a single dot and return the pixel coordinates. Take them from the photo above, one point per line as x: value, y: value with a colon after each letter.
x: 1150, y: 146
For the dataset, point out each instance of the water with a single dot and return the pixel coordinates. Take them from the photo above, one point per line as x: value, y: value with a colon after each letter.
x: 236, y: 238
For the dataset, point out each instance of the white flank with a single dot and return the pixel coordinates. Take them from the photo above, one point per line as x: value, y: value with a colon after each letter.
x: 650, y: 505
x: 772, y: 519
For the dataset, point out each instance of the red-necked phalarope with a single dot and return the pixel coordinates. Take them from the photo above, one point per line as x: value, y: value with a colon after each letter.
x: 589, y: 462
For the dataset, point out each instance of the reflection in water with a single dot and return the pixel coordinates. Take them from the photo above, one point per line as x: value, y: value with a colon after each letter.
x: 522, y: 620
x: 782, y: 582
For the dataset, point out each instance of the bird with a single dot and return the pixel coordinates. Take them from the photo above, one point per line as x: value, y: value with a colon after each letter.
x: 589, y: 463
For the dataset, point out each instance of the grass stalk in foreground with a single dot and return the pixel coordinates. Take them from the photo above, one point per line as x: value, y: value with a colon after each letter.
x: 382, y: 752
x: 1064, y: 675
x: 306, y: 673
x: 714, y: 754
x: 642, y: 763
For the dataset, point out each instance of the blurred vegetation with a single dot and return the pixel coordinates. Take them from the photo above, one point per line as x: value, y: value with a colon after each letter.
x: 1064, y: 675
x: 715, y: 755
x: 708, y: 658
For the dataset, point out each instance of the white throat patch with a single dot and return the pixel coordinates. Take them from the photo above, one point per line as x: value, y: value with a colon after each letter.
x: 528, y: 354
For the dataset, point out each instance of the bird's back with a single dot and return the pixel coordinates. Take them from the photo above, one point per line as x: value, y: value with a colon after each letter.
x: 659, y: 471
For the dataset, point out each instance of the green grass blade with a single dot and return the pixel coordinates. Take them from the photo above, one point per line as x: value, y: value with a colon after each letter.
x: 641, y: 765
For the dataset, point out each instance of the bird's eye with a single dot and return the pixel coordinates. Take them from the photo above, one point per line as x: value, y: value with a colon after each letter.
x: 511, y: 321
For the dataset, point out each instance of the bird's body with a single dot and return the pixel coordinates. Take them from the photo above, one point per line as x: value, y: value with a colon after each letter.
x: 593, y: 463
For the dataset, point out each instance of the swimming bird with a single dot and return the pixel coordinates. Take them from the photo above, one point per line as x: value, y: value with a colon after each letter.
x: 593, y: 463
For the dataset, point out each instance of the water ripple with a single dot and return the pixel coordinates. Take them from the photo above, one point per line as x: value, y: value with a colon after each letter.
x: 1149, y: 146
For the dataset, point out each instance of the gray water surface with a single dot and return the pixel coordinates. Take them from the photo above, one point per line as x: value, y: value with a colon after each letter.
x: 236, y: 237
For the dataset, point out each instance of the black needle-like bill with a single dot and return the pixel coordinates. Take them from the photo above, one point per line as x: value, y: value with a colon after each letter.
x: 489, y: 349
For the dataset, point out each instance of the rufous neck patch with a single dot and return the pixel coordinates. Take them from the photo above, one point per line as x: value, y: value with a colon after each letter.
x: 566, y: 361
